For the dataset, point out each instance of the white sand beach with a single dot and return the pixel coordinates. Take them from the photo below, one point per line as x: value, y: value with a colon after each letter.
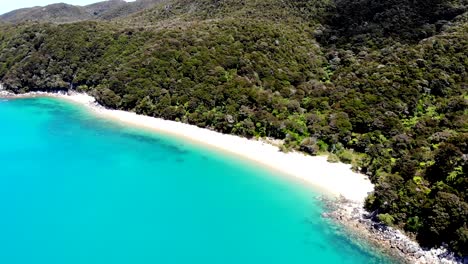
x: 330, y: 178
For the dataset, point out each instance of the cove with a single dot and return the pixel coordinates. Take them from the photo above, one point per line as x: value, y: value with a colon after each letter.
x: 76, y: 188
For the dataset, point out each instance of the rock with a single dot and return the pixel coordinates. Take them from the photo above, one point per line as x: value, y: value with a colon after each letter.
x: 411, y: 249
x: 418, y: 254
x: 398, y: 245
x: 431, y: 259
x: 357, y: 220
x: 421, y: 260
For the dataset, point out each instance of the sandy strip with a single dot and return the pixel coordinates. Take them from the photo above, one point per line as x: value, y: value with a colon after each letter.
x: 332, y: 178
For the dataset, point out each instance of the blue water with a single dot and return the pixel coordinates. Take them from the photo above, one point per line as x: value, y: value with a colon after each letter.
x: 75, y: 188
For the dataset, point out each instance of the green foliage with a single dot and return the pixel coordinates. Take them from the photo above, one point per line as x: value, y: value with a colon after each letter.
x: 346, y: 156
x: 332, y: 158
x: 341, y: 77
x: 414, y: 224
x: 65, y: 13
x: 386, y: 219
x: 417, y: 180
x: 457, y: 172
x: 309, y: 145
x: 322, y: 145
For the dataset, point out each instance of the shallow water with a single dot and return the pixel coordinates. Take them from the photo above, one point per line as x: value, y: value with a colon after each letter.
x: 75, y: 188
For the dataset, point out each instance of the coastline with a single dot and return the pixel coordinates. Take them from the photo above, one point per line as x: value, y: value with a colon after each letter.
x: 331, y: 179
x: 359, y: 225
x: 343, y: 190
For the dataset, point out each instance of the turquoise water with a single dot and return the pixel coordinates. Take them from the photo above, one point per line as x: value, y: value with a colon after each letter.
x: 75, y: 188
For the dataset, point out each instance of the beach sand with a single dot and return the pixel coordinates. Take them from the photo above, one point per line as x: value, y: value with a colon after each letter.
x: 333, y: 179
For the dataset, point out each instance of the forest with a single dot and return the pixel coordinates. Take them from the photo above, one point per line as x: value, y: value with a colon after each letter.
x: 379, y: 84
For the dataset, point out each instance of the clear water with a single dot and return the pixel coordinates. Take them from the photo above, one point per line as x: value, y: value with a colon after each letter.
x: 75, y: 188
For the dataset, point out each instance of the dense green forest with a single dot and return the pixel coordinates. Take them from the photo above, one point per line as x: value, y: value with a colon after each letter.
x: 380, y: 84
x: 65, y: 13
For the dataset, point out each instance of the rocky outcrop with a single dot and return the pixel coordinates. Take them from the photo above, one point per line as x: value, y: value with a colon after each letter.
x: 394, y: 243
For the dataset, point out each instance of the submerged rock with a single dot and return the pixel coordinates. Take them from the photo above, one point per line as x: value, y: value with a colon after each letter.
x: 391, y: 241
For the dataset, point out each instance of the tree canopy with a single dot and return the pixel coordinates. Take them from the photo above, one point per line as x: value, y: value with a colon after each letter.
x: 380, y: 84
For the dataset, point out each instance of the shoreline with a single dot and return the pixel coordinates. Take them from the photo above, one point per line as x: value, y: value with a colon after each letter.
x: 392, y: 242
x: 343, y: 190
x: 330, y: 179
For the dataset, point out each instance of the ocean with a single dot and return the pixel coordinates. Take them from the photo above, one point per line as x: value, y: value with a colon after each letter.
x: 77, y: 188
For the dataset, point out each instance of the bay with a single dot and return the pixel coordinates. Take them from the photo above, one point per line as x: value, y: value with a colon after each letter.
x: 76, y: 188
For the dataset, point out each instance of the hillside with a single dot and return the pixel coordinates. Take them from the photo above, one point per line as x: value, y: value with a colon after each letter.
x: 378, y: 84
x: 56, y: 12
x: 65, y: 13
